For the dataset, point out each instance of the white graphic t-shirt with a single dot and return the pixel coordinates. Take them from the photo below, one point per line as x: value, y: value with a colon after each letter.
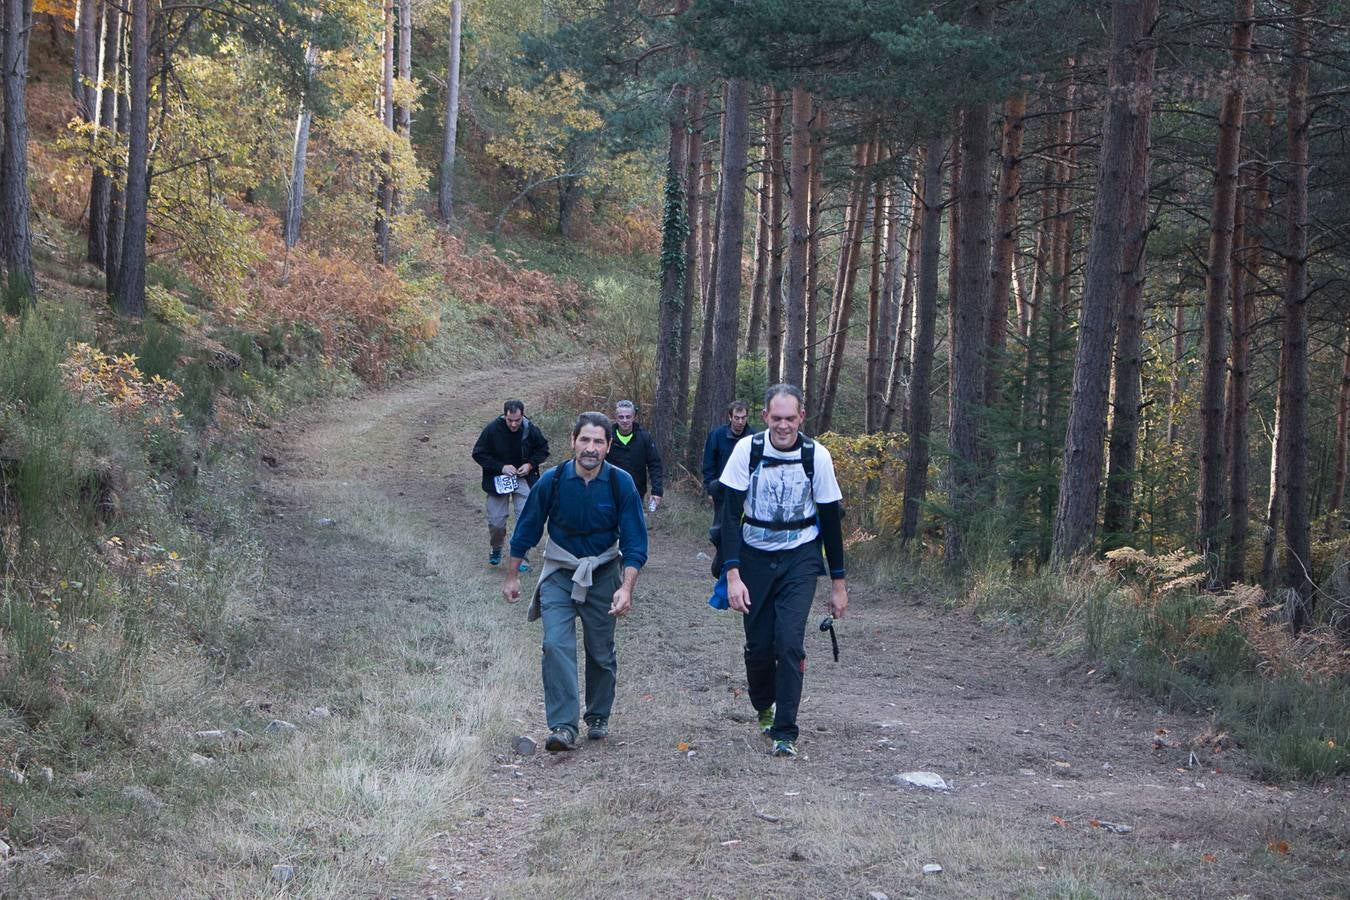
x: 780, y: 493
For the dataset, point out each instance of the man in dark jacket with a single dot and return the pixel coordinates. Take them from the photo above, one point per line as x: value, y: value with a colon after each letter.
x: 510, y: 450
x: 717, y: 449
x: 634, y: 451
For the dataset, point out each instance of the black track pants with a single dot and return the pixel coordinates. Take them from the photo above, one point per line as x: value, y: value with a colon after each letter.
x: 782, y: 585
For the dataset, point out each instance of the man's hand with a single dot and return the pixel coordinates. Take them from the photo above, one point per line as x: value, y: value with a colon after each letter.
x: 838, y: 598
x: 524, y: 469
x: 738, y: 595
x: 511, y: 586
x: 622, y: 602
x: 509, y: 470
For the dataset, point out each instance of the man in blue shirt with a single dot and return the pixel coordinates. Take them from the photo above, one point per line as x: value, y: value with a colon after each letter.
x: 597, y: 542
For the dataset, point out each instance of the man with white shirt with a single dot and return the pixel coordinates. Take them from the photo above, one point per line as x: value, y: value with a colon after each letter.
x: 781, y: 487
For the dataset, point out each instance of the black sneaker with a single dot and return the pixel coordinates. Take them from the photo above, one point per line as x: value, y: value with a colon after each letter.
x: 597, y: 728
x: 561, y: 738
x: 495, y: 557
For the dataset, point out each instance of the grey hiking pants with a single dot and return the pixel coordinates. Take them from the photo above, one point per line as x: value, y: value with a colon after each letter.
x: 559, y: 614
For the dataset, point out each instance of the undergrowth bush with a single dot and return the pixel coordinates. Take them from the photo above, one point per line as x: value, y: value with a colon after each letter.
x: 1145, y: 619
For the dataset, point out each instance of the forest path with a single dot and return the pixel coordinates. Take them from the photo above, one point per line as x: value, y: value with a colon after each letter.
x: 682, y: 800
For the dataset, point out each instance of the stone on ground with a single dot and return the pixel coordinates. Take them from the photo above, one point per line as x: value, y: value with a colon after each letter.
x: 930, y: 780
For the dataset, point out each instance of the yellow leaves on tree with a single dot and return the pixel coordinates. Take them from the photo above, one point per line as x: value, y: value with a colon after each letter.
x: 871, y: 473
x: 544, y: 128
x: 60, y: 9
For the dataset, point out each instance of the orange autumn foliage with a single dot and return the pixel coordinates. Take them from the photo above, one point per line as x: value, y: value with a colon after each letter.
x: 506, y: 295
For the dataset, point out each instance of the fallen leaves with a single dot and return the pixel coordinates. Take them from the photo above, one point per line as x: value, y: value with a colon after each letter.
x: 1280, y: 847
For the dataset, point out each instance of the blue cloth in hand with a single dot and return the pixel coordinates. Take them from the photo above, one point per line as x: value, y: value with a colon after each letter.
x: 718, y: 600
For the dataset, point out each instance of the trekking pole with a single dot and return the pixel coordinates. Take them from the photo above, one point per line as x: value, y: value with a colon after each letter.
x: 827, y: 624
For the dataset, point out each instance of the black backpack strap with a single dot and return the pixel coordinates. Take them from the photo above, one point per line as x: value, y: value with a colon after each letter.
x: 808, y: 464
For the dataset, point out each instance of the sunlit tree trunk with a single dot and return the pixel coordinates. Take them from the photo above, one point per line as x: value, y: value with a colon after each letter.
x: 754, y: 332
x: 872, y: 397
x: 920, y: 417
x: 384, y: 197
x: 100, y: 184
x: 816, y: 200
x: 445, y: 188
x: 295, y: 197
x: 1004, y: 243
x: 774, y: 289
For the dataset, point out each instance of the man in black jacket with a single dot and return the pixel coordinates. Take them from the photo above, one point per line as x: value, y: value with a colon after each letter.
x: 634, y: 451
x: 510, y: 450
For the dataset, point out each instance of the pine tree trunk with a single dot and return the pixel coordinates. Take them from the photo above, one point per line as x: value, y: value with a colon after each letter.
x: 384, y: 196
x: 295, y: 197
x: 720, y: 378
x: 899, y: 283
x: 1342, y: 431
x: 129, y: 291
x: 16, y: 239
x: 100, y: 185
x: 774, y: 290
x: 1210, y: 505
x: 117, y: 218
x: 1127, y: 389
x: 445, y: 188
x: 692, y: 250
x: 1004, y: 243
x: 969, y: 317
x: 754, y: 332
x: 816, y: 188
x: 850, y: 260
x: 674, y: 243
x: 707, y: 241
x: 1080, y: 479
x: 872, y: 398
x: 920, y: 403
x: 795, y: 341
x: 86, y: 61
x: 1294, y: 374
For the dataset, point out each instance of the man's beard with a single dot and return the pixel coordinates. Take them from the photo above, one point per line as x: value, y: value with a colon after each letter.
x: 590, y: 460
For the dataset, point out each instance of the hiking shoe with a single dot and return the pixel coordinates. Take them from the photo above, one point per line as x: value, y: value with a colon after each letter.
x: 561, y: 738
x: 784, y: 748
x: 495, y: 557
x: 765, y: 720
x: 523, y: 567
x: 597, y: 728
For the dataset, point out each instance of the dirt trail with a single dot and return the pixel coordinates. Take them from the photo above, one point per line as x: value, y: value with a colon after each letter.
x: 682, y: 800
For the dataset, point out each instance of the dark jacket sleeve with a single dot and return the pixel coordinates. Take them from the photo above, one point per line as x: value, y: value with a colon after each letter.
x: 832, y: 536
x: 484, y: 451
x: 710, y: 473
x: 733, y: 505
x: 654, y: 470
x: 538, y: 449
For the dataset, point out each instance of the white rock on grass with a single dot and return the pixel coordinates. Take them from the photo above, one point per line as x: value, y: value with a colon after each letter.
x: 877, y: 895
x: 320, y: 712
x: 279, y: 726
x: 14, y: 775
x: 524, y: 745
x: 201, y: 762
x: 142, y: 796
x: 282, y: 873
x: 932, y: 869
x: 46, y: 776
x: 214, y: 735
x: 4, y: 850
x: 930, y: 780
